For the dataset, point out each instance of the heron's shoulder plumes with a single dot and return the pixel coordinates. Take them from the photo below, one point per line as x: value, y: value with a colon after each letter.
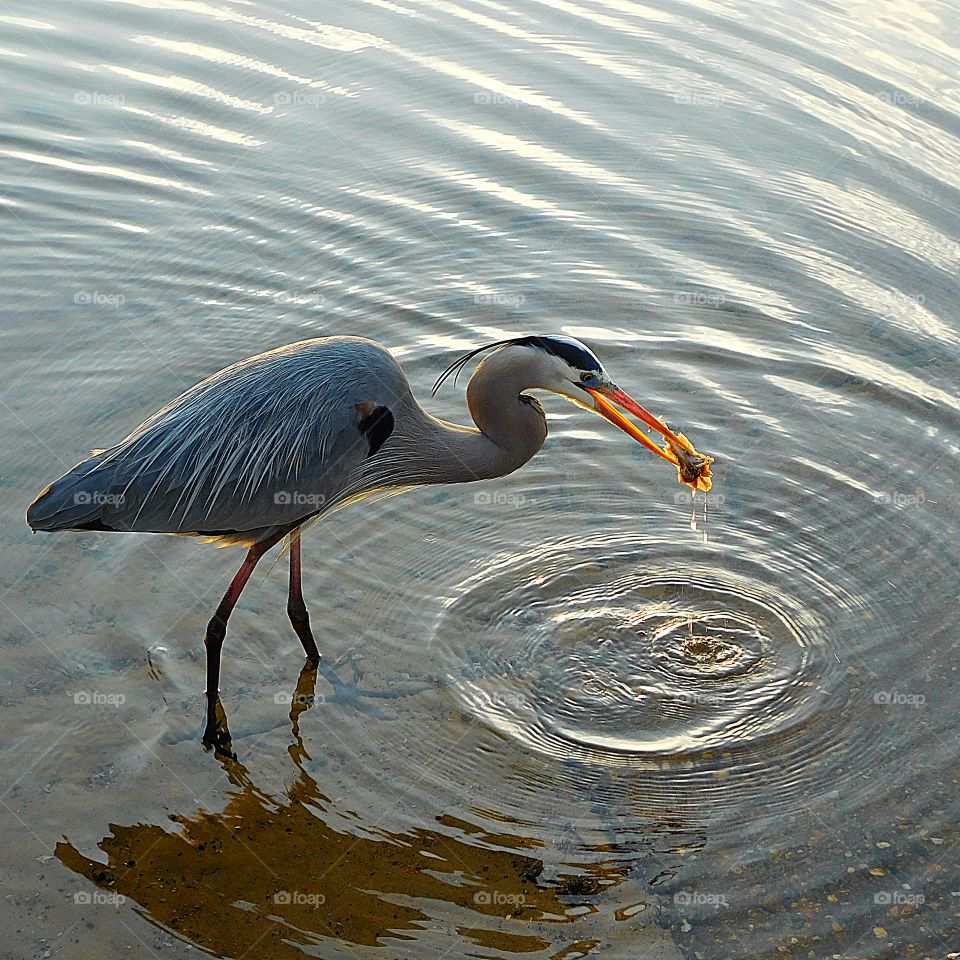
x: 266, y: 440
x: 566, y: 348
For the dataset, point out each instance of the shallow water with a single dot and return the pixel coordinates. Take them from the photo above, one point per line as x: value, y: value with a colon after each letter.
x: 568, y: 712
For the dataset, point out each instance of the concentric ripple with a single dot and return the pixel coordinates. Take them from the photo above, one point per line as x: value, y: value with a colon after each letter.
x: 652, y: 663
x: 615, y: 652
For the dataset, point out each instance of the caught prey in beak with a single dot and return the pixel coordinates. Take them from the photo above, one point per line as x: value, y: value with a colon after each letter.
x: 693, y: 468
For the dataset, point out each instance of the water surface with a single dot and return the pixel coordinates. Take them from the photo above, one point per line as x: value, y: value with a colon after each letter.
x: 565, y: 713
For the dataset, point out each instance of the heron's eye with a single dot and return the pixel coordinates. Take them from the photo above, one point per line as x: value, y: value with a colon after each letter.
x: 587, y: 376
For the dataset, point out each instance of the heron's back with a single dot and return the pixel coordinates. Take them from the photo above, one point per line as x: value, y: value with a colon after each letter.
x: 259, y: 446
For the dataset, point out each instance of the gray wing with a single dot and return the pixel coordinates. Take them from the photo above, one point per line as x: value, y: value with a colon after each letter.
x: 266, y: 442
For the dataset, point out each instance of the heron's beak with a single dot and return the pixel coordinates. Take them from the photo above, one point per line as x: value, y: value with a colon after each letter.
x: 692, y: 467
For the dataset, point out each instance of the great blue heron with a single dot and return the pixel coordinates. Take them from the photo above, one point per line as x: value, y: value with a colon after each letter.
x: 272, y: 443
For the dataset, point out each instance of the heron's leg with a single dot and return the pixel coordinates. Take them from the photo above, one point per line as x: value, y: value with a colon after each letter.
x: 296, y: 608
x: 217, y: 627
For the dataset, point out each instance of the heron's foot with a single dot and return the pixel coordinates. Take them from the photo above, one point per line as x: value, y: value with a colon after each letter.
x: 216, y: 733
x: 300, y: 620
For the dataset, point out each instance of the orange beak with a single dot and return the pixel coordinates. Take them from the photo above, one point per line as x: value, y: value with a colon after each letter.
x: 693, y: 468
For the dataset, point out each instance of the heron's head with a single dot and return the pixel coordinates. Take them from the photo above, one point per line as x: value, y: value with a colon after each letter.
x: 568, y: 367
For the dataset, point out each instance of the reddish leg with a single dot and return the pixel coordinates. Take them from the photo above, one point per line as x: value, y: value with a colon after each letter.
x: 217, y: 627
x: 216, y: 732
x: 296, y: 608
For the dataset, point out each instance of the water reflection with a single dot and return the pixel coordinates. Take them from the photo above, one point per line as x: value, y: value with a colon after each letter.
x: 217, y: 736
x: 274, y: 874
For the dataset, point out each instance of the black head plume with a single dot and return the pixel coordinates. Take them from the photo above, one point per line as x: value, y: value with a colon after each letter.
x: 566, y: 348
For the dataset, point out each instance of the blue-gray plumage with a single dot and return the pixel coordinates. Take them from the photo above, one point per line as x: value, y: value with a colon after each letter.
x: 256, y: 447
x: 272, y: 443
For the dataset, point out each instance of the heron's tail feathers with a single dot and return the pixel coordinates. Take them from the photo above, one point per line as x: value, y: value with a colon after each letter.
x: 74, y: 502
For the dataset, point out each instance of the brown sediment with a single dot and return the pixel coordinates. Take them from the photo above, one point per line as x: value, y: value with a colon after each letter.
x: 268, y: 875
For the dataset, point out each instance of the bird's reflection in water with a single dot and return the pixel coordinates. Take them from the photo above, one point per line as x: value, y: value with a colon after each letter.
x: 216, y: 733
x: 269, y: 875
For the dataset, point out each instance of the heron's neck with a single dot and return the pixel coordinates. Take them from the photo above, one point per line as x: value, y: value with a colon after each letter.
x: 509, y: 430
x: 512, y: 426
